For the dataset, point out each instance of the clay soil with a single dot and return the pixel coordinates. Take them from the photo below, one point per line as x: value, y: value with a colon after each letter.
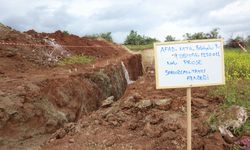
x: 128, y: 125
x: 135, y: 121
x: 25, y: 69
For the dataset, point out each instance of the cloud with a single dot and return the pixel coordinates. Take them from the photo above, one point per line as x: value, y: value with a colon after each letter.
x: 153, y: 18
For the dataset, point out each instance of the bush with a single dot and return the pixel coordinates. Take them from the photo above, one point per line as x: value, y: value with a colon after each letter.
x: 107, y: 36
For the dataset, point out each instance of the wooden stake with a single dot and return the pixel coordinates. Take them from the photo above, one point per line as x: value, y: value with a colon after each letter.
x: 189, y: 120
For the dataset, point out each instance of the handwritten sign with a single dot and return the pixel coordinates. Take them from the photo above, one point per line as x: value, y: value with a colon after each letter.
x: 189, y: 63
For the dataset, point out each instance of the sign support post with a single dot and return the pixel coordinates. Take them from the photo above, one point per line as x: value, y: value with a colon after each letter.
x: 187, y: 64
x: 189, y: 120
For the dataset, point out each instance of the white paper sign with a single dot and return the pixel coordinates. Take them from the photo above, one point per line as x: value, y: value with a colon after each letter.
x: 189, y: 63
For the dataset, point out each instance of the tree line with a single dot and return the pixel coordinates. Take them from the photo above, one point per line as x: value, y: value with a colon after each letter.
x: 133, y: 38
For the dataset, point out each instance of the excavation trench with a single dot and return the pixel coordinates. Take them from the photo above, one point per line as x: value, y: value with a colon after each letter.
x: 46, y: 105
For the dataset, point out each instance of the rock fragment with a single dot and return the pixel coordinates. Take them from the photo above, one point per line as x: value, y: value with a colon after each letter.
x: 107, y: 102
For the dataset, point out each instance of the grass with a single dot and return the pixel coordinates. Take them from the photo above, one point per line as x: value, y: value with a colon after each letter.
x: 140, y: 47
x: 237, y: 88
x: 76, y: 59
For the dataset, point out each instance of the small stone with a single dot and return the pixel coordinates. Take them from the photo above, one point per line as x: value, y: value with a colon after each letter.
x: 163, y: 104
x: 60, y: 134
x: 128, y: 102
x: 231, y: 118
x: 97, y: 122
x: 71, y: 141
x: 109, y: 142
x: 51, y: 122
x: 114, y: 122
x: 170, y: 135
x: 144, y: 104
x: 212, y: 147
x: 137, y: 96
x: 11, y: 54
x: 51, y: 140
x: 200, y: 103
x: 1, y: 93
x: 151, y: 131
x: 107, y: 102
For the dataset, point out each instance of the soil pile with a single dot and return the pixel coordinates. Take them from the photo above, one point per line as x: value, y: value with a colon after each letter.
x: 144, y: 118
x: 38, y: 96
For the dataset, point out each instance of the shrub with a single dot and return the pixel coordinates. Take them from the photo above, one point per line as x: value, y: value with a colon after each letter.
x: 107, y: 36
x: 65, y: 32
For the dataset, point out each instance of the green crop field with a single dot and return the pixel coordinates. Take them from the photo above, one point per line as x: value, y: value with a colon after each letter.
x: 237, y: 88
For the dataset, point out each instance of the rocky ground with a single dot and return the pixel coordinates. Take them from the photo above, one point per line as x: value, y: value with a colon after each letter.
x: 93, y: 106
x: 144, y: 118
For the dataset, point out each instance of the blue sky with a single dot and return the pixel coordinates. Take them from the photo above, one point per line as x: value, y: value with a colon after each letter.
x: 155, y: 18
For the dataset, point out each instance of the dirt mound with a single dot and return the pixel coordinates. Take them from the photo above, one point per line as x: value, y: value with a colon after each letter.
x: 99, y: 48
x: 37, y: 96
x: 145, y: 118
x: 23, y: 51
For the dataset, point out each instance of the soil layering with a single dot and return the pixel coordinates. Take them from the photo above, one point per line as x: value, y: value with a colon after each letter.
x: 105, y: 104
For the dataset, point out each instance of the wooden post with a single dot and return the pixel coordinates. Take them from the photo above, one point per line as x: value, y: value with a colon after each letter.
x: 189, y: 120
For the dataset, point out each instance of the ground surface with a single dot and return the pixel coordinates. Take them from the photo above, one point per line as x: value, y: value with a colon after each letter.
x: 28, y: 64
x: 143, y: 118
x: 137, y: 121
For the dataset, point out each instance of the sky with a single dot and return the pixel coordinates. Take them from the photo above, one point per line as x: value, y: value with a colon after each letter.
x: 154, y: 18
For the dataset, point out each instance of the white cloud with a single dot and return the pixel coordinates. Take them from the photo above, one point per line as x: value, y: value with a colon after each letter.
x: 149, y: 17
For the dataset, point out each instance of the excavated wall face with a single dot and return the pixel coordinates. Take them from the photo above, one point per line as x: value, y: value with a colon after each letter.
x: 47, y: 105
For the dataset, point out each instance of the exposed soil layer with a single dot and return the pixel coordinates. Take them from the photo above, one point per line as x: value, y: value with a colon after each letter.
x: 144, y: 118
x: 91, y: 106
x: 37, y: 96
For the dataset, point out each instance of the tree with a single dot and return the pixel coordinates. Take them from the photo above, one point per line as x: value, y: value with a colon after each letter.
x: 169, y: 38
x: 136, y: 39
x: 213, y: 34
x: 133, y: 38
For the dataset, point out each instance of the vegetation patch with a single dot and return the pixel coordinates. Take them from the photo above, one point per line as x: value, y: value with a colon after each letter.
x: 236, y: 91
x: 140, y: 47
x: 107, y: 36
x: 76, y: 59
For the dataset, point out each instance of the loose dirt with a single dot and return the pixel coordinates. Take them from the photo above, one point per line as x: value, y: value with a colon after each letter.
x: 46, y: 106
x: 137, y: 121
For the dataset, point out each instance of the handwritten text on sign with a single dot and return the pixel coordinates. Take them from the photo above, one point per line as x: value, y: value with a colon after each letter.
x: 189, y: 63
